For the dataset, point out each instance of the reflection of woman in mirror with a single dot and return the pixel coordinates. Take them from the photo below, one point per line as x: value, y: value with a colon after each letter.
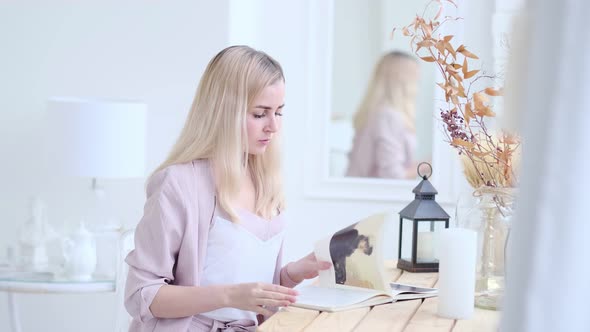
x: 385, y: 130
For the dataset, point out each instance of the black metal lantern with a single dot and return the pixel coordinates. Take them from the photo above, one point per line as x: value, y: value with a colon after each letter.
x: 419, y: 223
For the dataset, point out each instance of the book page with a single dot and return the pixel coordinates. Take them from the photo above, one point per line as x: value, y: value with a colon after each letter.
x: 410, y: 292
x: 333, y: 297
x: 356, y: 253
x: 398, y: 288
x: 327, y: 278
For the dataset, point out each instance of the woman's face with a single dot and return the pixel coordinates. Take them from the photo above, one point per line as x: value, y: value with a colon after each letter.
x: 263, y: 120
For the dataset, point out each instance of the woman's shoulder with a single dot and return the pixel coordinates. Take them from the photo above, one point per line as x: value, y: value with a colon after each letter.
x: 184, y: 169
x: 181, y: 173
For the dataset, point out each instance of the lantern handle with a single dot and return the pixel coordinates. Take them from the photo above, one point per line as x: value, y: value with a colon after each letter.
x: 418, y: 170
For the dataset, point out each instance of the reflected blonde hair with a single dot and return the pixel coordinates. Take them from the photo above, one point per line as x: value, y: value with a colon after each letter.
x: 393, y: 86
x: 215, y: 128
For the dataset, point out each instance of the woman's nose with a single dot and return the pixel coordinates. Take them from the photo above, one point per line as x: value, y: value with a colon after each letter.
x: 272, y: 124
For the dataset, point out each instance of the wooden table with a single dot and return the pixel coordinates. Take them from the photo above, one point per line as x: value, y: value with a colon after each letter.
x: 409, y: 316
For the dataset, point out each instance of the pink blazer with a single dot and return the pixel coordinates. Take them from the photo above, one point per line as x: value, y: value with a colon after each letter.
x: 171, y: 241
x: 383, y: 149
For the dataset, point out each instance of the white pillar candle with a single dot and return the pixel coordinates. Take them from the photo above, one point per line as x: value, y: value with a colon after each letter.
x: 456, y: 278
x: 425, y: 249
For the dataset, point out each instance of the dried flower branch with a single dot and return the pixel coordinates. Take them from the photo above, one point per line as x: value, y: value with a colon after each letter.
x: 488, y: 159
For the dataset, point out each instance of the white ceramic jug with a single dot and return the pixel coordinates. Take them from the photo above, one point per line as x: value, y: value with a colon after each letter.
x: 80, y: 255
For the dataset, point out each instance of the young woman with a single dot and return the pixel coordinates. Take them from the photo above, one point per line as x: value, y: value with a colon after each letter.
x: 208, y: 249
x: 385, y: 130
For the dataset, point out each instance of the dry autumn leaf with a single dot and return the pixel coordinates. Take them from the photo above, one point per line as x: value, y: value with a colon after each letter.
x: 479, y: 99
x: 451, y: 69
x: 493, y: 92
x: 462, y: 91
x: 449, y: 48
x: 465, y: 66
x: 468, y: 54
x: 426, y: 27
x: 460, y: 142
x: 425, y: 43
x: 471, y: 73
x: 468, y: 113
x: 438, y: 13
x: 484, y: 111
x: 440, y: 47
x: 456, y: 76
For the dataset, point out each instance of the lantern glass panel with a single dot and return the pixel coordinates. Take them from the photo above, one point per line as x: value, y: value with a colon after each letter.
x: 407, y: 229
x: 428, y: 232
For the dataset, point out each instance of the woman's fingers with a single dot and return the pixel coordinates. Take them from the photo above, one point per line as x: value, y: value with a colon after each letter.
x: 277, y: 296
x: 278, y: 289
x: 273, y: 303
x: 310, y: 256
x: 256, y: 296
x: 323, y: 265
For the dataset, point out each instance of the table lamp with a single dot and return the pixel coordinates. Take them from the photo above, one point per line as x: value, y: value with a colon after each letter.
x: 96, y: 138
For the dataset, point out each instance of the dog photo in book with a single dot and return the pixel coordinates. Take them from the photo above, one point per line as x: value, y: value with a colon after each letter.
x: 343, y: 245
x: 354, y: 254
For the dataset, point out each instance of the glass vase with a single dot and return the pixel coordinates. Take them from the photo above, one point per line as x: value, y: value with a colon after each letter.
x: 490, y: 215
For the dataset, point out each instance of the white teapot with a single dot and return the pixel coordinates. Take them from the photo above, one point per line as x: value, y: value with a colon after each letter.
x: 80, y: 255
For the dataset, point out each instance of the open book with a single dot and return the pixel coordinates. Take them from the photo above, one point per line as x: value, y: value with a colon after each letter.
x: 357, y: 277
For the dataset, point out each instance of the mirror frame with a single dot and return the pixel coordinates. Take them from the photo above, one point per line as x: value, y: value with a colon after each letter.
x: 318, y: 183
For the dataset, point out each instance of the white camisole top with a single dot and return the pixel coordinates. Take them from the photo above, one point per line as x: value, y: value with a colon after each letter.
x: 241, y: 253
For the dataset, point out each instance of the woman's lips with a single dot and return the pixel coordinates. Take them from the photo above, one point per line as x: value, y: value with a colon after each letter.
x: 264, y: 141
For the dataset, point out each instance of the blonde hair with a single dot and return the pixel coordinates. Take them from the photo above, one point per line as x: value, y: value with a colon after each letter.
x: 215, y: 128
x: 393, y: 87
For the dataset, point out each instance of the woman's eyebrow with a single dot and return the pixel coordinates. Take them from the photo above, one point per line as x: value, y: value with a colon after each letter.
x: 267, y: 107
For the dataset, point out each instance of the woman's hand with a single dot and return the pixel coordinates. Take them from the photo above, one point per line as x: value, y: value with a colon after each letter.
x: 306, y: 268
x: 256, y: 296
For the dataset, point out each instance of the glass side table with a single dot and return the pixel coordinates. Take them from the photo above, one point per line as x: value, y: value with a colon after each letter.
x: 45, y: 282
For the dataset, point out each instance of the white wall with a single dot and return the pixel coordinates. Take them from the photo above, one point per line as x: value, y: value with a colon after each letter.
x: 150, y: 51
x: 156, y: 53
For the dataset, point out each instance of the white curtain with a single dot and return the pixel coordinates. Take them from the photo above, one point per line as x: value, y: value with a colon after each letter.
x: 548, y: 272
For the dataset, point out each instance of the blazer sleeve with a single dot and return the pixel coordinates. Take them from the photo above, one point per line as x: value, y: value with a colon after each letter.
x: 157, y: 241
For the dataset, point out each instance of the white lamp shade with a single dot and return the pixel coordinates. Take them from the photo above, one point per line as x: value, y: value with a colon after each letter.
x: 96, y: 138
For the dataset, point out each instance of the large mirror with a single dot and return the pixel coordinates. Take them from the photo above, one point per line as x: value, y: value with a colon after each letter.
x: 346, y: 38
x: 382, y: 98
